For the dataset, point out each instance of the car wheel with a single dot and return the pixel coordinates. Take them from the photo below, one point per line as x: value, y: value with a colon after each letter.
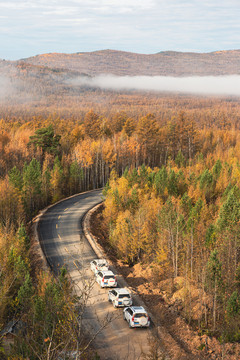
x: 129, y: 324
x: 124, y: 317
x: 114, y: 304
x: 109, y: 299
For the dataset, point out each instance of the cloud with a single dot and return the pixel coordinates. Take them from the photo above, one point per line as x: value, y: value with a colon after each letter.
x: 209, y: 85
x: 146, y: 26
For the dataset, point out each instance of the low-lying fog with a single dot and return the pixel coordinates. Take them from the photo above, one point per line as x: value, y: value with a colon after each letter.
x: 209, y: 85
x: 25, y: 91
x: 15, y: 90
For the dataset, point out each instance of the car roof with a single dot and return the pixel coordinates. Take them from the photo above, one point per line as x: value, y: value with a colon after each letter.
x: 106, y: 272
x: 138, y: 309
x: 100, y: 261
x: 122, y: 290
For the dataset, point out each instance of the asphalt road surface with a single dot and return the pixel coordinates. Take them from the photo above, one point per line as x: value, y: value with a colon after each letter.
x: 63, y: 243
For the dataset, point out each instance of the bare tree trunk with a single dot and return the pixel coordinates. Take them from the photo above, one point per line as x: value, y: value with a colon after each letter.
x: 191, y: 259
x: 176, y: 253
x: 214, y: 304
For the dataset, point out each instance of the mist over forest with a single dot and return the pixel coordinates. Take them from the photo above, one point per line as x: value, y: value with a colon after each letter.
x: 208, y: 85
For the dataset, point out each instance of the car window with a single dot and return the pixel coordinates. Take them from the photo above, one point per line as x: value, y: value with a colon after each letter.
x: 114, y: 292
x: 100, y: 274
x: 124, y: 296
x: 130, y: 311
x: 109, y: 277
x: 94, y: 262
x: 140, y: 315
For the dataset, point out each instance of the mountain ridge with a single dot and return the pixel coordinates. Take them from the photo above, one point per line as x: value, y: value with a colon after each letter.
x: 123, y: 63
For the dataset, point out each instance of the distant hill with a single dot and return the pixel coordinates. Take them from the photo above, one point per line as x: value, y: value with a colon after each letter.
x: 52, y: 80
x: 166, y: 63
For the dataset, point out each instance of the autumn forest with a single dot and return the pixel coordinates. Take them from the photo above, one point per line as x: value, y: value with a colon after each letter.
x: 170, y: 168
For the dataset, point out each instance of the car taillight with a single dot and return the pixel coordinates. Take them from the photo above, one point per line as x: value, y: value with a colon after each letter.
x: 148, y: 318
x: 103, y: 279
x: 133, y: 318
x: 115, y: 278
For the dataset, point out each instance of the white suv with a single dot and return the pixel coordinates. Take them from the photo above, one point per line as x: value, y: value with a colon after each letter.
x: 120, y: 297
x: 99, y: 265
x: 106, y: 279
x: 136, y: 316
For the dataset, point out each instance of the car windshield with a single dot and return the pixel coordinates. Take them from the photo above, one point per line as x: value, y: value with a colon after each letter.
x: 124, y: 296
x: 140, y: 315
x: 109, y: 277
x: 101, y: 265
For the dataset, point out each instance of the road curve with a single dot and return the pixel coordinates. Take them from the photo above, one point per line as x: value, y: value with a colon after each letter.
x: 63, y: 243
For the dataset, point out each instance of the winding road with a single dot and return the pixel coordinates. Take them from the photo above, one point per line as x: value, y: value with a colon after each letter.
x: 63, y: 243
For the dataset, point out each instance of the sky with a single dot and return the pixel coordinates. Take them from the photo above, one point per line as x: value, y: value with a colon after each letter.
x: 31, y: 27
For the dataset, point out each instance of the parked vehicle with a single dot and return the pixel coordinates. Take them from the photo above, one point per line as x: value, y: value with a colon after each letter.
x: 120, y: 297
x: 136, y: 316
x: 106, y: 279
x: 99, y: 265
